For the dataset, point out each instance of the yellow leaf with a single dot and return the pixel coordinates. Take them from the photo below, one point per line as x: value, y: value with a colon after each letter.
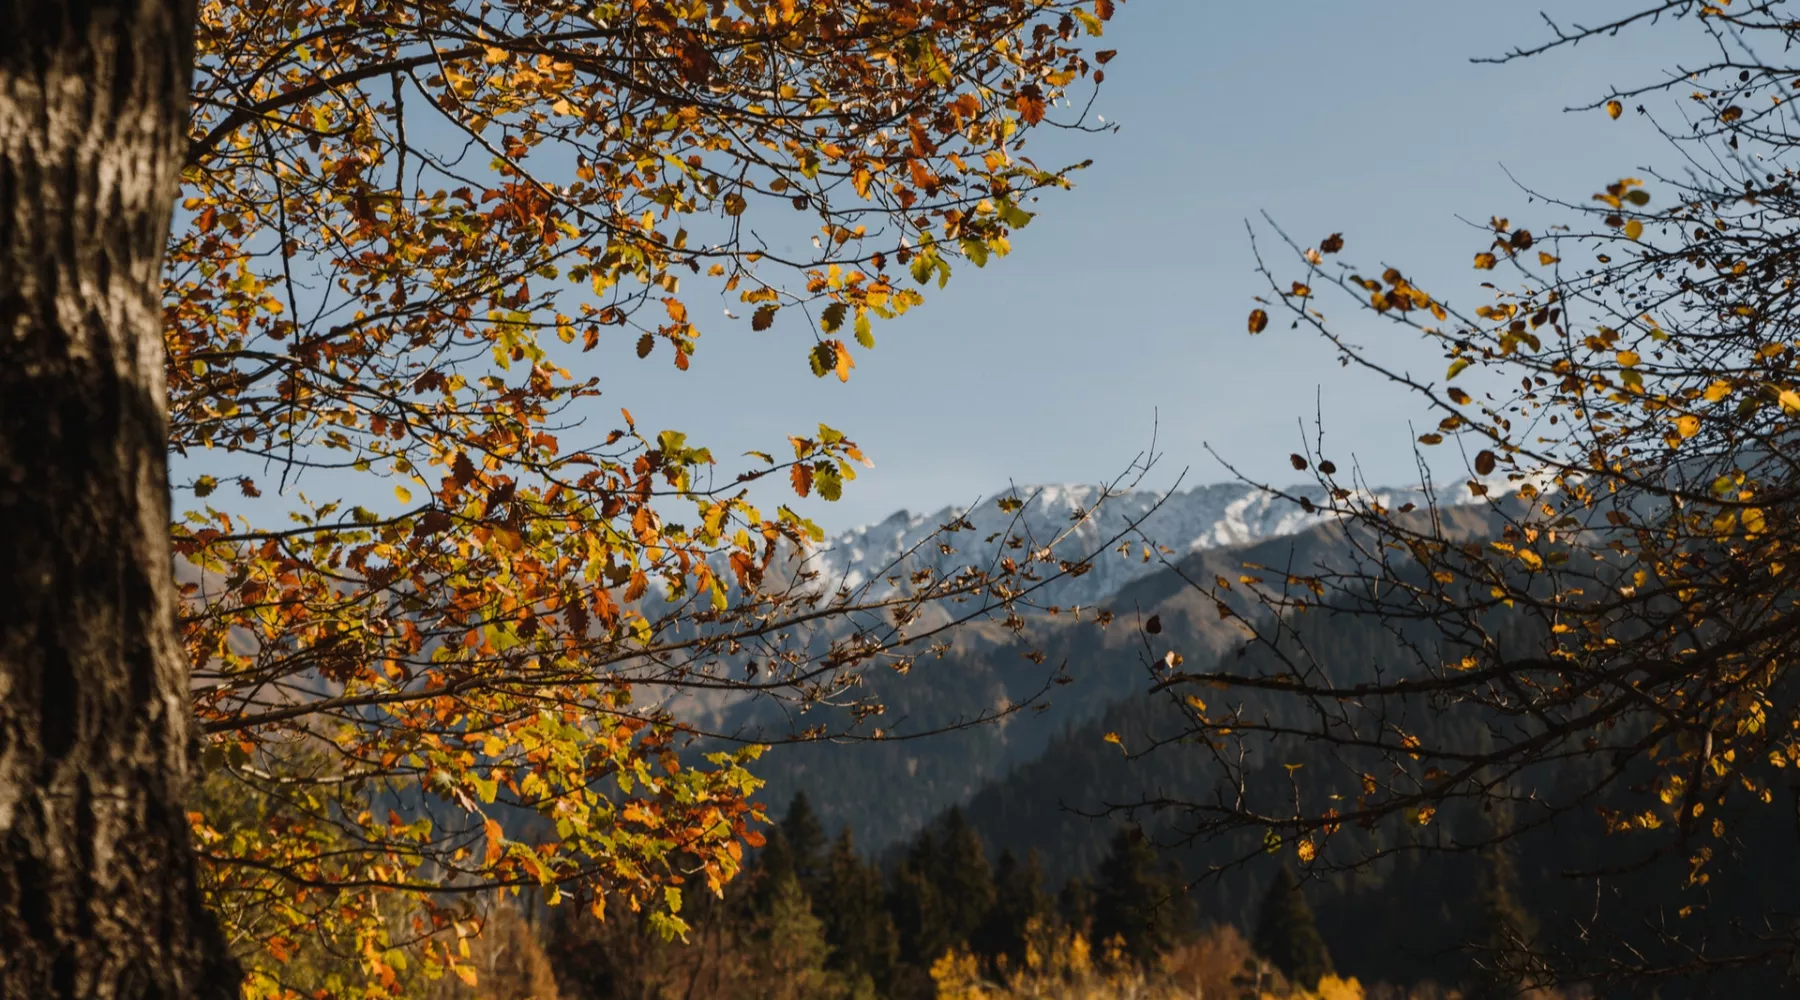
x: 1628, y: 359
x: 1546, y: 259
x: 466, y: 974
x: 404, y: 494
x: 1687, y: 426
x: 1790, y: 400
x: 1634, y: 229
x: 1717, y: 391
x: 1485, y: 262
x: 1753, y: 521
x: 1614, y: 109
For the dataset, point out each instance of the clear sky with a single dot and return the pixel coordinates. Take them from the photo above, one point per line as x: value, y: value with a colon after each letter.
x: 1123, y: 306
x: 1124, y: 303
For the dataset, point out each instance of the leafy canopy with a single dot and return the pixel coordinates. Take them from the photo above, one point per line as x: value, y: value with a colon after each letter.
x: 1596, y: 623
x: 446, y: 664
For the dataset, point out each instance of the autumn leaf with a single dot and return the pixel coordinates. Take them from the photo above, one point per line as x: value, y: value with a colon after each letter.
x: 1259, y: 321
x: 1031, y: 105
x: 1614, y: 109
x: 496, y: 844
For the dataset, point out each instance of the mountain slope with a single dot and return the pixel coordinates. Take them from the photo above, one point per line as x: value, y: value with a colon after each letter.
x: 885, y: 790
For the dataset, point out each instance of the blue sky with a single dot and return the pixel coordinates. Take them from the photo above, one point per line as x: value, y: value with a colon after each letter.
x: 1123, y: 305
x: 1122, y: 308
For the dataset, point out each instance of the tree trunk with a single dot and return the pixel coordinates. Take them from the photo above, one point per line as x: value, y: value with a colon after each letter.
x: 97, y: 891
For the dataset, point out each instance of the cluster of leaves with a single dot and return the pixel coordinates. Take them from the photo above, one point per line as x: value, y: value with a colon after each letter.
x: 403, y: 224
x: 1614, y: 589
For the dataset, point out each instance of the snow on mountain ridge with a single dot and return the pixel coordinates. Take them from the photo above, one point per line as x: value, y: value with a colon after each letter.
x: 1204, y: 517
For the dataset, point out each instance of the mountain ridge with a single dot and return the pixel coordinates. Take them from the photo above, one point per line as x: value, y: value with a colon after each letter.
x: 1201, y: 518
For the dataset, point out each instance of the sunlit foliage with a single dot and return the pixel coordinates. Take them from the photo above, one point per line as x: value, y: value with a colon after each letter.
x: 437, y: 597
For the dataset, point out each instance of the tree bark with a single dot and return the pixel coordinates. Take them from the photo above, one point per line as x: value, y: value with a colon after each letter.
x: 97, y: 890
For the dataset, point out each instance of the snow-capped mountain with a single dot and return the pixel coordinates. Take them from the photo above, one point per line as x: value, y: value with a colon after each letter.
x: 1205, y: 517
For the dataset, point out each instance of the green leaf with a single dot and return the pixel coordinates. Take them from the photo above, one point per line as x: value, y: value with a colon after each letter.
x: 921, y: 269
x: 976, y: 251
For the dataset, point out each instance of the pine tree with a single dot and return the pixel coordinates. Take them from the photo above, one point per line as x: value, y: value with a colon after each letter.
x: 1133, y: 902
x: 1075, y: 904
x: 858, y: 927
x: 1287, y: 935
x: 913, y: 900
x: 1019, y: 899
x: 792, y: 949
x: 965, y: 883
x: 1503, y: 930
x: 806, y: 841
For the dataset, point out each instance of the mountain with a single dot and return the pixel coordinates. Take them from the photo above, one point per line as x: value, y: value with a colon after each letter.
x: 1205, y: 517
x: 1067, y: 670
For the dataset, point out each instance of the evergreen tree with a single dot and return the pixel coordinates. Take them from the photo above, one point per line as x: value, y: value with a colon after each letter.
x: 1019, y: 899
x: 791, y: 946
x: 1287, y: 936
x: 1075, y: 904
x: 773, y: 863
x: 806, y: 842
x: 913, y: 900
x: 1503, y: 930
x: 965, y: 883
x: 1133, y: 902
x: 858, y: 927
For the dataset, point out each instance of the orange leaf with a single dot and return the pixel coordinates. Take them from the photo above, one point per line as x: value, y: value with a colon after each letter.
x: 496, y: 844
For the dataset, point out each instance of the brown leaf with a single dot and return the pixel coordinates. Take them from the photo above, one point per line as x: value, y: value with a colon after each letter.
x: 1298, y: 462
x: 1332, y: 243
x: 1484, y: 463
x: 1030, y: 103
x: 1259, y: 321
x: 1153, y: 625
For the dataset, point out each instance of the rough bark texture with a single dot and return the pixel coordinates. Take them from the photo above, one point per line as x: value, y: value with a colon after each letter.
x: 97, y: 893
